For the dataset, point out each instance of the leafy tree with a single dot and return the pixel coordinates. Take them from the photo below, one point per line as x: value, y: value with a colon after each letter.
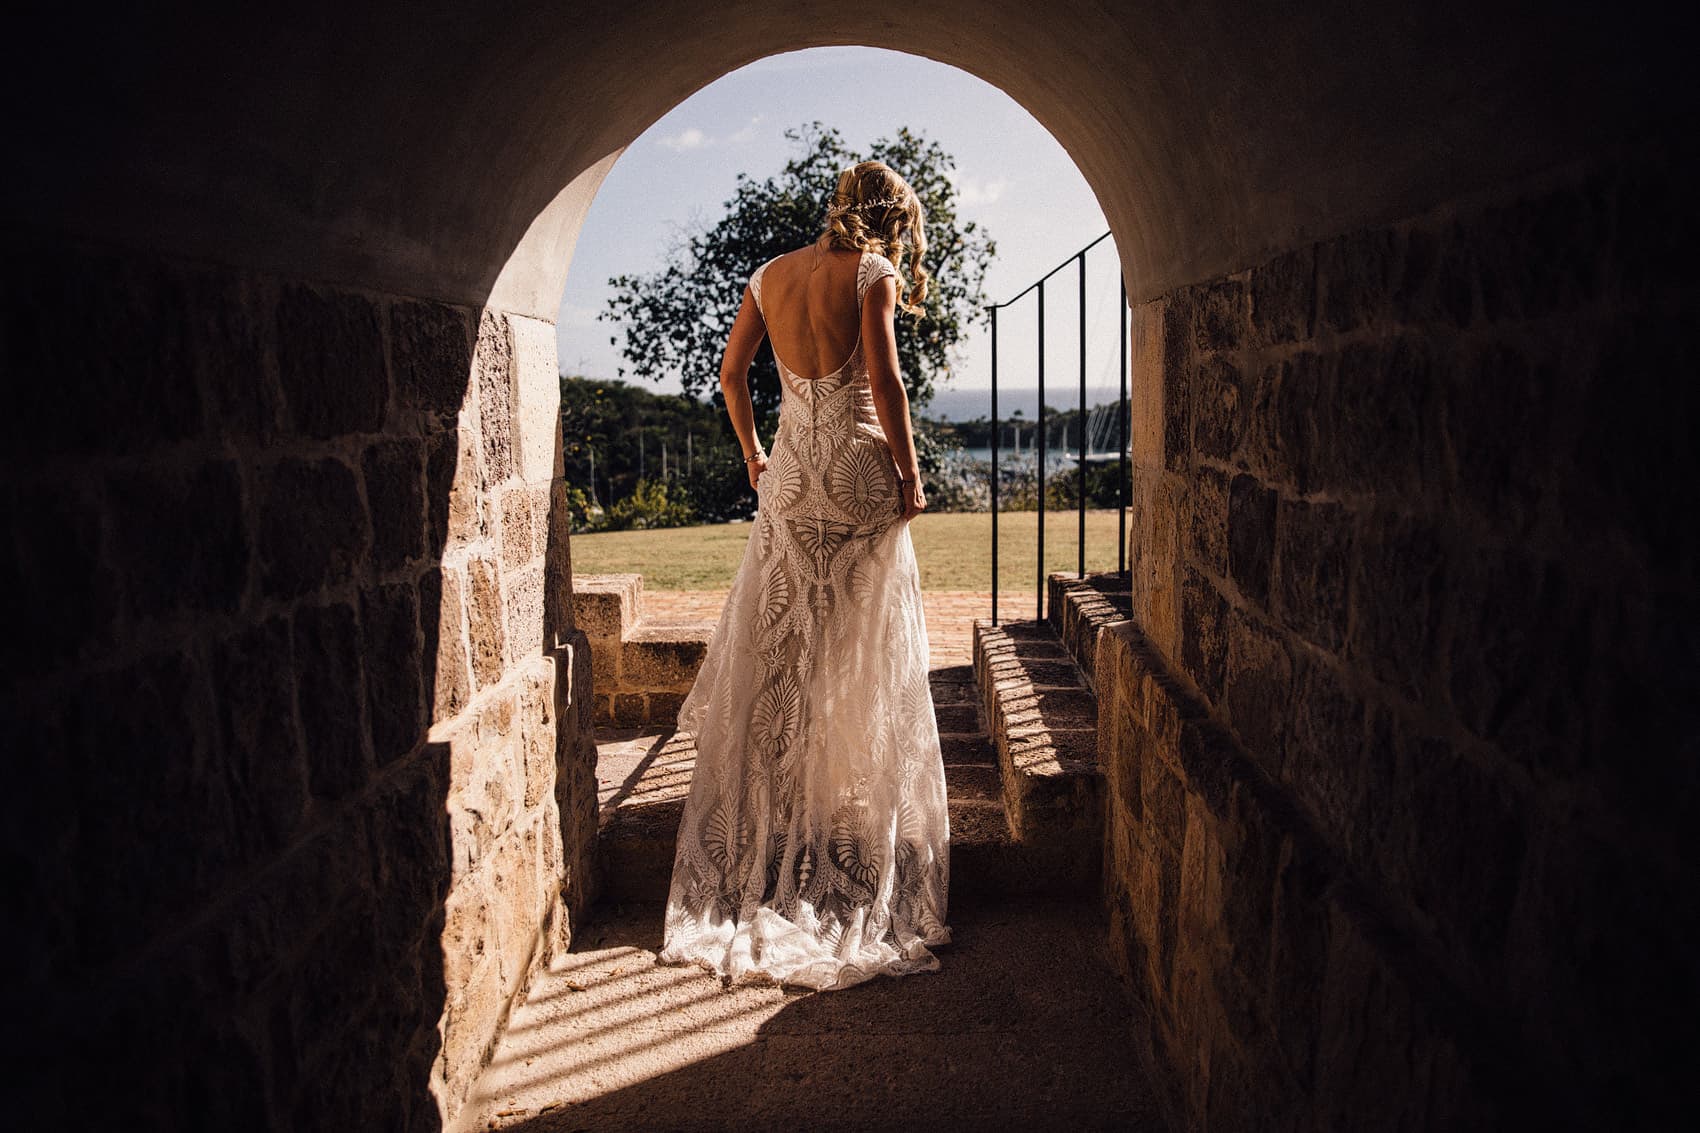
x: 650, y: 504
x: 677, y: 319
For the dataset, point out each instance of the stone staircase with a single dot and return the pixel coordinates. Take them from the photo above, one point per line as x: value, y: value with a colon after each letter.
x: 644, y: 773
x: 1035, y: 681
x: 1079, y: 608
x: 644, y: 665
x: 1018, y: 731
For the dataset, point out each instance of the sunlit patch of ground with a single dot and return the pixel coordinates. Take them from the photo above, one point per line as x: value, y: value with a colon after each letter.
x: 1024, y: 1027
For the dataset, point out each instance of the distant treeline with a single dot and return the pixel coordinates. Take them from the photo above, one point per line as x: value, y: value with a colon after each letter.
x: 1062, y: 426
x: 615, y: 434
x: 635, y: 458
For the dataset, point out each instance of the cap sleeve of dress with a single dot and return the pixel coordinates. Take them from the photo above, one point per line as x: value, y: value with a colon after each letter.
x: 874, y: 267
x: 755, y: 283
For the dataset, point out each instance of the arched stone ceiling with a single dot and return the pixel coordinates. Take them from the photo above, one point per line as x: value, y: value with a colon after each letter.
x: 411, y: 150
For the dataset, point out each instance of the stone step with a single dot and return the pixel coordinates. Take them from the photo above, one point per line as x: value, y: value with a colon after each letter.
x: 644, y: 775
x: 637, y: 840
x: 1080, y: 607
x: 673, y: 648
x: 1043, y: 722
x: 607, y: 605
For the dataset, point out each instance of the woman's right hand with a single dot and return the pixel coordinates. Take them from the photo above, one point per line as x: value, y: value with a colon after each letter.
x: 756, y: 467
x: 914, y: 500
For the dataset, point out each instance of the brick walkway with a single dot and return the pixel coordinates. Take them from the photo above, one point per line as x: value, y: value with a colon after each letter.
x: 950, y: 616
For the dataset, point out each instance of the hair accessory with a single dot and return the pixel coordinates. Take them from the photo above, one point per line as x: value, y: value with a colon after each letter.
x: 880, y: 203
x: 842, y: 204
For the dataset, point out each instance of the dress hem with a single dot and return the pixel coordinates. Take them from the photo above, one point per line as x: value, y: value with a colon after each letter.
x: 674, y: 956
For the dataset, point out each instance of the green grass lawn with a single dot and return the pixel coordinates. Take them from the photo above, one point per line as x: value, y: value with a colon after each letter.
x: 953, y: 548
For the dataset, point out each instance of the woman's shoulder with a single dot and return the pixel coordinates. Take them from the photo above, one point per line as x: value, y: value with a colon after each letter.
x: 801, y: 252
x: 876, y: 266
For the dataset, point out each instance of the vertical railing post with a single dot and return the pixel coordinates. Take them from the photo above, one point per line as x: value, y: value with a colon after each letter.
x: 994, y: 310
x: 1080, y: 566
x: 1040, y: 446
x: 1040, y: 616
x: 1123, y: 481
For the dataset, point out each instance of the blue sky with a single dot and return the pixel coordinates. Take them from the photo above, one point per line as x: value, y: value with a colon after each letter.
x: 1012, y: 176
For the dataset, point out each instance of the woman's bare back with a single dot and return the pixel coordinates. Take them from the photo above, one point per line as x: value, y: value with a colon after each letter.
x: 810, y: 308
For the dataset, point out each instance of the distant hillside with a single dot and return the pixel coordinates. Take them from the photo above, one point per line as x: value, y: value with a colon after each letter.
x: 967, y: 404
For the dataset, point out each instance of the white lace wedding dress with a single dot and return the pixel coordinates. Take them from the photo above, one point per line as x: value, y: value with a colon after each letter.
x: 814, y: 846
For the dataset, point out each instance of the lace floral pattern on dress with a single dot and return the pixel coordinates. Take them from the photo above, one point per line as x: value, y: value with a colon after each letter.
x: 814, y: 845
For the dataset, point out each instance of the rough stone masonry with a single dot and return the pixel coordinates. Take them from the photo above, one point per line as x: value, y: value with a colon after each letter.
x: 315, y: 763
x: 1398, y: 736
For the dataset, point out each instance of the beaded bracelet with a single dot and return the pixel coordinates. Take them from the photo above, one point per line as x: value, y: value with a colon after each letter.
x: 757, y: 455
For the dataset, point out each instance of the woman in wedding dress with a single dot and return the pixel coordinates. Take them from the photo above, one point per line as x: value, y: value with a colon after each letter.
x: 814, y: 845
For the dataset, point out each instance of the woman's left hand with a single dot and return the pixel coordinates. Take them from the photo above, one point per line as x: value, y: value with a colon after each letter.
x: 756, y: 467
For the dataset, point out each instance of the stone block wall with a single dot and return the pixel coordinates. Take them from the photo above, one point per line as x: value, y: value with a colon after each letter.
x: 1398, y: 764
x: 298, y: 709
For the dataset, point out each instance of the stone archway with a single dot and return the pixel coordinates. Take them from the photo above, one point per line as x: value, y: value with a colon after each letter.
x: 280, y: 286
x: 415, y: 156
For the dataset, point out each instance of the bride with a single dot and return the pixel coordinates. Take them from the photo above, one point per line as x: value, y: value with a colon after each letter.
x: 814, y: 845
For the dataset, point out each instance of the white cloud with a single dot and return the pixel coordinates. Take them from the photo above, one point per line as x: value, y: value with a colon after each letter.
x: 694, y: 138
x: 972, y: 192
x: 748, y: 131
x: 687, y: 139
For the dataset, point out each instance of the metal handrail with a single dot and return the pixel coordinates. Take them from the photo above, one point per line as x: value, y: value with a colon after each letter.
x: 1023, y: 292
x: 1038, y: 285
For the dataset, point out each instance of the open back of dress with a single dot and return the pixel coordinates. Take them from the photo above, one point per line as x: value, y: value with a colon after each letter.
x: 814, y: 845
